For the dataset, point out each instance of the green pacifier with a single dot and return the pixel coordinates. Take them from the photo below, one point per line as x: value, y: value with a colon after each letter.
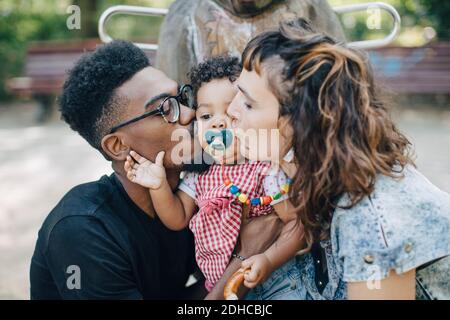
x: 219, y: 140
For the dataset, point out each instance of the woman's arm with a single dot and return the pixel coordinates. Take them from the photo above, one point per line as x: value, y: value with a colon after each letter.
x: 291, y: 239
x: 395, y: 287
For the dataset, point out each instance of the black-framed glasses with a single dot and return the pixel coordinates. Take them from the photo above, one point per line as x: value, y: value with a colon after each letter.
x: 169, y: 108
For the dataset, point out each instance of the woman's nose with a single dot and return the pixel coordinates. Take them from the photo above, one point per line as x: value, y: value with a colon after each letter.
x: 232, y: 109
x: 186, y: 115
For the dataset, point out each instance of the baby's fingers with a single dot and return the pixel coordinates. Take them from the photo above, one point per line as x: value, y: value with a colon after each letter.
x: 247, y: 263
x: 140, y: 159
x: 251, y: 275
x: 128, y: 164
x: 160, y: 158
x: 131, y: 176
x: 250, y: 279
x: 249, y: 284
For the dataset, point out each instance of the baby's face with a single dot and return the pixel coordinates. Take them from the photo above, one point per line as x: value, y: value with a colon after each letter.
x: 214, y: 124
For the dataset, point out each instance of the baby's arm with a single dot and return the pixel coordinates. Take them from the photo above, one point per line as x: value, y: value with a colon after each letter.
x: 288, y: 243
x: 174, y: 209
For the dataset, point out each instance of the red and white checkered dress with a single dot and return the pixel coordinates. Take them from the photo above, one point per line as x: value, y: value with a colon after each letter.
x: 216, y: 225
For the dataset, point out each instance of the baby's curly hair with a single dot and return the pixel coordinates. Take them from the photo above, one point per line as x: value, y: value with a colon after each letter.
x: 218, y: 67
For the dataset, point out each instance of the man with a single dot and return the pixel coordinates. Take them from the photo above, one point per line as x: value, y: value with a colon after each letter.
x: 103, y: 239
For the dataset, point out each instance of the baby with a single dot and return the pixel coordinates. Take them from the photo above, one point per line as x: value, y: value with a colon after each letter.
x: 213, y: 202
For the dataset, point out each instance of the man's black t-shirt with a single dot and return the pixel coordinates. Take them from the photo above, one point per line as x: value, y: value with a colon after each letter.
x: 96, y: 243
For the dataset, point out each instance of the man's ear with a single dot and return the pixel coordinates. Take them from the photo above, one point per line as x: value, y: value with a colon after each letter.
x: 113, y: 145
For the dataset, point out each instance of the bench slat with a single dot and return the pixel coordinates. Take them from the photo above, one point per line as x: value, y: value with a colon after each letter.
x: 405, y: 70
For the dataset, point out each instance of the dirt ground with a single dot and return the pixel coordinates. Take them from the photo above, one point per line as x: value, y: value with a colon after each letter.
x: 40, y: 163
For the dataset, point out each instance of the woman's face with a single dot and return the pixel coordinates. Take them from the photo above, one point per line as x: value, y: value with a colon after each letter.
x: 256, y: 109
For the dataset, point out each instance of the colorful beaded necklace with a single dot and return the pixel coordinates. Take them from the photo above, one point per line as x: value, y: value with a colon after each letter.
x: 264, y: 200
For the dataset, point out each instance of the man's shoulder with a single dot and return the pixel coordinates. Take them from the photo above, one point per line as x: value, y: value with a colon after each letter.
x: 80, y: 204
x: 84, y: 199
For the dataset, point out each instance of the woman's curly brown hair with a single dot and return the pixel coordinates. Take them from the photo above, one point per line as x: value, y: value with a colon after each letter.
x: 343, y: 136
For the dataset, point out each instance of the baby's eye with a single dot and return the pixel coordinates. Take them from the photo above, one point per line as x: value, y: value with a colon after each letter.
x: 247, y: 106
x: 205, y: 116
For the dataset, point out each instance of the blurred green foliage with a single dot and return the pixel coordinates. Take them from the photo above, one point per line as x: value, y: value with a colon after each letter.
x: 25, y: 21
x: 421, y: 21
x: 20, y: 23
x: 438, y: 13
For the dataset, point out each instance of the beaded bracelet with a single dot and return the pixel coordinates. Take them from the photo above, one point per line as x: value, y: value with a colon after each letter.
x: 235, y: 255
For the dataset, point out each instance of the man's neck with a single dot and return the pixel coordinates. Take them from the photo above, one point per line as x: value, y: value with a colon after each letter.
x: 139, y: 194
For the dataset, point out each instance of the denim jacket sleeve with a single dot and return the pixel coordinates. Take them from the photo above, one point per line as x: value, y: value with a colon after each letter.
x: 403, y: 224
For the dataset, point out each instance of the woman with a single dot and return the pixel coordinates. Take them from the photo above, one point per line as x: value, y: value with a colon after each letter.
x: 376, y: 228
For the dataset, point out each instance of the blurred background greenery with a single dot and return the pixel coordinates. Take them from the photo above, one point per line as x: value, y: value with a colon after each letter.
x: 25, y: 21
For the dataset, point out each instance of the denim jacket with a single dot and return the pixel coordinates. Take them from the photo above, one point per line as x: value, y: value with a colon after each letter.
x: 403, y: 225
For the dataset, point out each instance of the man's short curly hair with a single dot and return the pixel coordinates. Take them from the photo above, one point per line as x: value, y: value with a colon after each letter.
x: 218, y: 67
x: 89, y: 103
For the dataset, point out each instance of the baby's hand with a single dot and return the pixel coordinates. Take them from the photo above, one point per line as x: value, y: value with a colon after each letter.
x: 144, y: 172
x: 260, y: 268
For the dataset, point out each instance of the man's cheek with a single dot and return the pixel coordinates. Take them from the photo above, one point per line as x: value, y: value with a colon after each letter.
x: 180, y: 149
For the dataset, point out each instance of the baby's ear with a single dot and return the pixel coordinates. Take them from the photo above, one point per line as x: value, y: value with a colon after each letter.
x: 113, y: 145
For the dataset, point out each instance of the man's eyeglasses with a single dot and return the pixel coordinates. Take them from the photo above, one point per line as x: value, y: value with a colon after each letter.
x: 169, y: 108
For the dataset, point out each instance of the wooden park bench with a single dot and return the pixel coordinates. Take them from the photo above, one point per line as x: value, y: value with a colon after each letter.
x: 46, y: 67
x: 419, y: 70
